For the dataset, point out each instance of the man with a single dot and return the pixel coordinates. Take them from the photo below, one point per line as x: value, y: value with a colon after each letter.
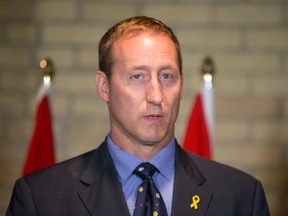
x: 140, y: 79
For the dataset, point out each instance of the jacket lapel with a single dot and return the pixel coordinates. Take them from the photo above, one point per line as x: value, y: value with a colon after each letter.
x: 100, y: 190
x: 191, y: 195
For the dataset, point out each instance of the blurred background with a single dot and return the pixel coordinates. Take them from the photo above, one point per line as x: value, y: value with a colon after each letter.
x: 247, y: 39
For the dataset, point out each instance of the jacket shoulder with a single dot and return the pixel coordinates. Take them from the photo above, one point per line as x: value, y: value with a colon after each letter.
x: 71, y: 167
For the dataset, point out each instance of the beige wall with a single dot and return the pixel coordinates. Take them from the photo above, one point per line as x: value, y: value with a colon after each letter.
x: 247, y: 39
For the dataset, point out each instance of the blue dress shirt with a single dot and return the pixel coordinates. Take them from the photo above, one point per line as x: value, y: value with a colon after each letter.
x: 125, y: 163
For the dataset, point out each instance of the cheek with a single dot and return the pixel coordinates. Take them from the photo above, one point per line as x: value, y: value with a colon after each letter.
x: 174, y: 98
x: 175, y: 106
x: 124, y: 98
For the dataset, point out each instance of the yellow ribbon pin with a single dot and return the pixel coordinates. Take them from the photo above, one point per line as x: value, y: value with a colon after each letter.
x: 195, y: 201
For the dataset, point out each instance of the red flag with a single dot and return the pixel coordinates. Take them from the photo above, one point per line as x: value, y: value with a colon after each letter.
x: 41, y: 149
x: 199, y: 137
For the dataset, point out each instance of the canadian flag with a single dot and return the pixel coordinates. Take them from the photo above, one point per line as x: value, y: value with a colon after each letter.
x: 41, y: 149
x: 199, y: 136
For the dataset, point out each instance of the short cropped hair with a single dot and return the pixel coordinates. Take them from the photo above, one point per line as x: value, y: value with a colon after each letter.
x: 131, y: 25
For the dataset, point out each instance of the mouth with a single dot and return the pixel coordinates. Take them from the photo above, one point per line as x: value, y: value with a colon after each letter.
x: 154, y: 116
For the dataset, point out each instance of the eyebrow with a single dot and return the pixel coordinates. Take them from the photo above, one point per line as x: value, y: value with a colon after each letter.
x: 144, y: 67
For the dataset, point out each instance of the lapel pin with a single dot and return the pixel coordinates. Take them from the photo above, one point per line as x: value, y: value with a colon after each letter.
x: 195, y: 201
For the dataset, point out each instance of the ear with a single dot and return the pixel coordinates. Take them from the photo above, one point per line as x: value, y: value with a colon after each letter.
x: 102, y: 85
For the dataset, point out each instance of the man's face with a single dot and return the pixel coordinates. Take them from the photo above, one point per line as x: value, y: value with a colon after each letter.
x: 145, y: 89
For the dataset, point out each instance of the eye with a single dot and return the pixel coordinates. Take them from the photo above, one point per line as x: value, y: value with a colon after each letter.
x: 136, y: 76
x: 167, y: 76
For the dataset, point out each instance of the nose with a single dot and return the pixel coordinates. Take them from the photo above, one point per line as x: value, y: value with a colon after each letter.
x: 154, y: 92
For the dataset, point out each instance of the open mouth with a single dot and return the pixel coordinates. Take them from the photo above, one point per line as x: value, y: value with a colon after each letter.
x: 153, y: 116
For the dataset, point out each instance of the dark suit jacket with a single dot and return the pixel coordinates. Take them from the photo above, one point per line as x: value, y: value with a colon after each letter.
x: 89, y: 185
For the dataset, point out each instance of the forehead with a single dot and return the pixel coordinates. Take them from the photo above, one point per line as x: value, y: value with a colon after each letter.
x: 138, y: 33
x: 140, y: 39
x: 146, y: 45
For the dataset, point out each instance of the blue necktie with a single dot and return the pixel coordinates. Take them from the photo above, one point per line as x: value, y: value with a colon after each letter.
x: 149, y: 201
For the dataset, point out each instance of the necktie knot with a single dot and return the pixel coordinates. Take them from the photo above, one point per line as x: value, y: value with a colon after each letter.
x: 145, y: 170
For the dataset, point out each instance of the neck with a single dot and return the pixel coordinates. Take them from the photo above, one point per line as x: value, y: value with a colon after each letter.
x: 142, y: 150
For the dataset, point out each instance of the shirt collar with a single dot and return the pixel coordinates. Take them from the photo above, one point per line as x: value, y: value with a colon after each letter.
x: 125, y: 163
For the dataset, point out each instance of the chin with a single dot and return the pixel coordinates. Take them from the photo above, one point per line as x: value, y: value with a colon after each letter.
x: 153, y: 141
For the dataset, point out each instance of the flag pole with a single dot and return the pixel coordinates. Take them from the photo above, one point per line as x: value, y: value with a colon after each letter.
x: 41, y: 148
x: 47, y: 73
x: 208, y: 70
x: 199, y: 136
x: 47, y: 70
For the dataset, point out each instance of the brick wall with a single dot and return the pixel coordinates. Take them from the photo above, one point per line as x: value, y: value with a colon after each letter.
x: 247, y: 39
